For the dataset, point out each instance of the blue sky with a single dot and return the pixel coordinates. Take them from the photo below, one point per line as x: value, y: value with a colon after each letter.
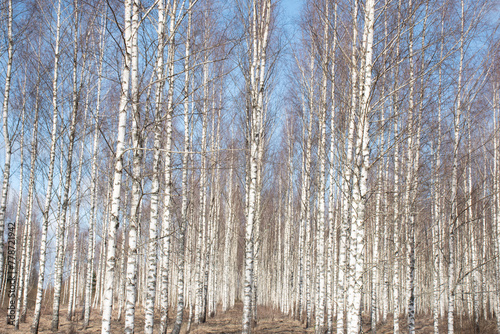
x: 291, y: 8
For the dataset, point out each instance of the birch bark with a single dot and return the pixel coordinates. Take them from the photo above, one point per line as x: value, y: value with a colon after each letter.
x: 14, y: 270
x: 184, y: 206
x: 454, y: 183
x: 306, y: 192
x: 200, y: 308
x: 346, y: 256
x: 48, y: 194
x: 61, y: 229
x: 332, y: 237
x: 408, y: 205
x: 437, y: 198
x: 24, y: 272
x: 361, y: 172
x: 132, y: 26
x: 259, y: 37
x: 118, y: 170
x: 496, y: 187
x: 229, y: 235
x: 304, y: 207
x: 166, y: 221
x: 155, y: 189
x: 320, y: 236
x: 6, y: 137
x: 396, y: 216
x: 93, y: 195
x: 73, y: 271
x: 414, y: 167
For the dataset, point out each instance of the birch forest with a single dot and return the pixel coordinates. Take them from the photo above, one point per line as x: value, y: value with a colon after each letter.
x: 250, y: 166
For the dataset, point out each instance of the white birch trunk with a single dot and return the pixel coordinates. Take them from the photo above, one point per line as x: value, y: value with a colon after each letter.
x: 414, y: 166
x: 6, y: 137
x: 123, y: 270
x: 346, y: 255
x: 200, y: 308
x: 320, y: 236
x: 472, y: 230
x: 24, y: 272
x: 61, y: 229
x: 118, y: 170
x: 93, y: 195
x: 73, y: 274
x: 228, y: 238
x: 288, y: 228
x: 103, y: 247
x: 385, y: 177
x: 352, y: 308
x: 454, y: 185
x: 437, y: 202
x: 376, y: 237
x: 14, y: 272
x: 305, y: 204
x: 396, y: 216
x: 155, y: 189
x: 408, y: 205
x: 132, y: 257
x: 48, y: 194
x: 496, y: 195
x: 361, y: 173
x: 332, y: 236
x: 184, y: 206
x: 300, y: 278
x: 166, y: 221
x: 260, y: 16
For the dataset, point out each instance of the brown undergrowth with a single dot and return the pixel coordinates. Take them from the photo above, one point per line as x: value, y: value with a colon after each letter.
x: 270, y: 321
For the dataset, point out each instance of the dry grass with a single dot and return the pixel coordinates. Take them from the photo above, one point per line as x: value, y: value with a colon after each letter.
x: 424, y: 325
x: 270, y: 321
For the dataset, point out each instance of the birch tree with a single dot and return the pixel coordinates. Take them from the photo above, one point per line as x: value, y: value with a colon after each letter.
x: 258, y: 39
x: 24, y: 272
x: 118, y: 170
x: 166, y: 222
x: 131, y: 27
x: 185, y: 163
x: 153, y: 245
x: 67, y: 182
x: 200, y: 307
x: 6, y: 136
x: 320, y: 237
x: 93, y: 178
x: 48, y: 194
x: 454, y: 183
x: 14, y: 273
x: 361, y: 172
x: 437, y: 190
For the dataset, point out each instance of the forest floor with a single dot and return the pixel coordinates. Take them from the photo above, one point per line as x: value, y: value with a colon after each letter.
x: 270, y: 321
